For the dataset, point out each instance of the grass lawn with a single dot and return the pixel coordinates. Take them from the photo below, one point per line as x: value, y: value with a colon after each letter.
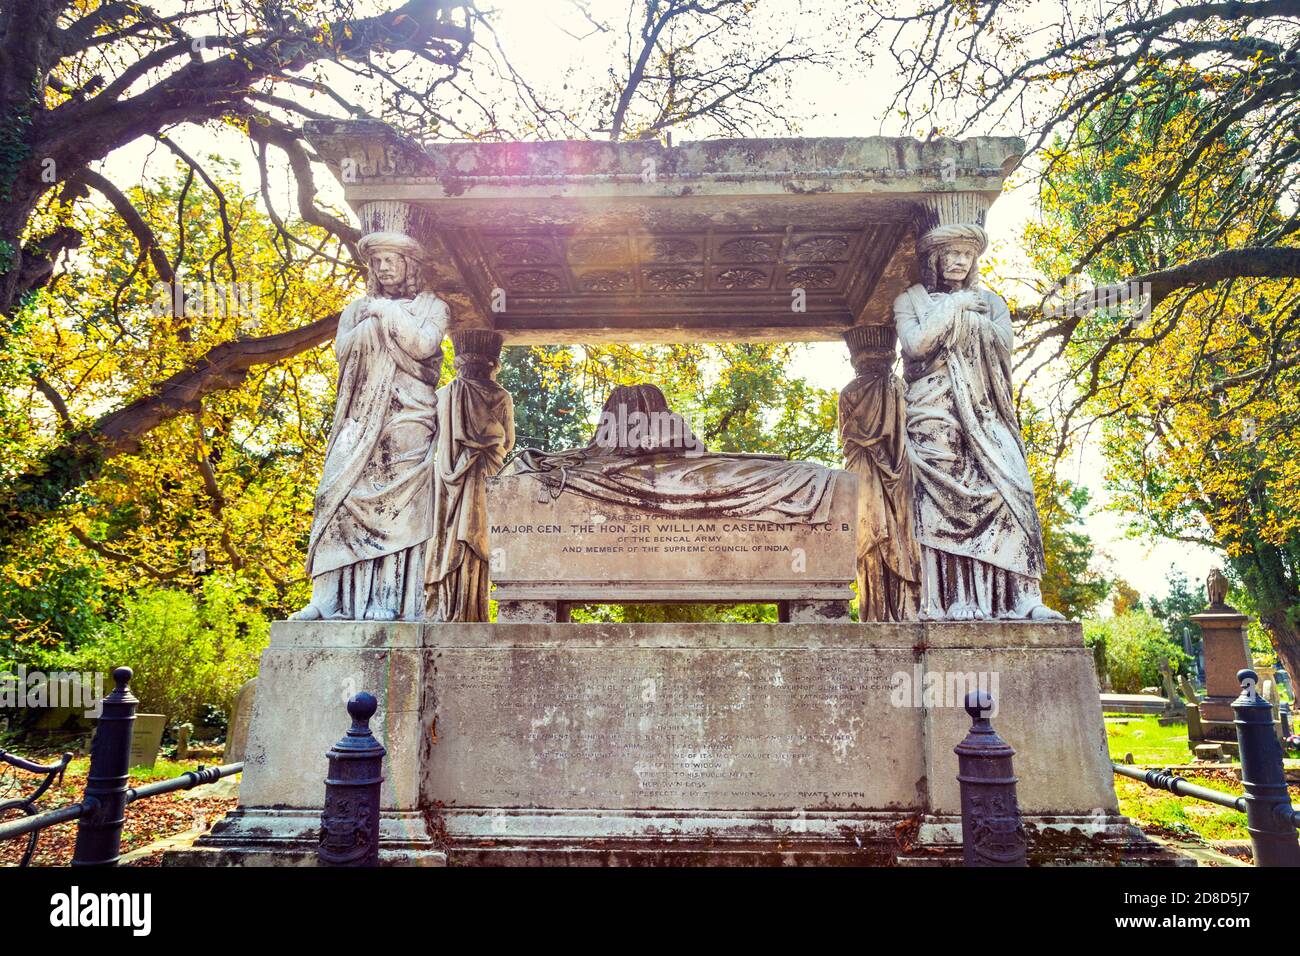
x: 1158, y: 811
x: 1147, y: 741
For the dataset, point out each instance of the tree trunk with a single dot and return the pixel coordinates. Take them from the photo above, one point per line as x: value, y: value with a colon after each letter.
x: 1286, y: 640
x: 1265, y: 572
x: 29, y: 498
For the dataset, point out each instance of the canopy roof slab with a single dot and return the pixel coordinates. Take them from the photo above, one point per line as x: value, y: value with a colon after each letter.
x: 735, y: 240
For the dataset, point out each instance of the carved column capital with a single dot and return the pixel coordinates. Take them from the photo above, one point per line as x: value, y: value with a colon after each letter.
x: 394, y: 223
x: 871, y: 345
x: 478, y: 352
x: 482, y: 342
x: 950, y: 209
x: 402, y: 218
x: 944, y: 218
x: 392, y: 226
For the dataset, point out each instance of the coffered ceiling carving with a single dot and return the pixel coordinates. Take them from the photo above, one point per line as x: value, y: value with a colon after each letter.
x: 572, y: 282
x: 726, y: 240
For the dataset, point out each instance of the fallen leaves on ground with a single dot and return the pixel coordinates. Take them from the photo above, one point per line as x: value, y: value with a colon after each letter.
x: 147, y: 820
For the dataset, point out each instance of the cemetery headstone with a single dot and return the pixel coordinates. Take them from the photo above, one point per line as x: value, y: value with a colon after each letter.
x: 146, y: 738
x: 1174, y: 707
x: 1193, y: 702
x: 241, y: 716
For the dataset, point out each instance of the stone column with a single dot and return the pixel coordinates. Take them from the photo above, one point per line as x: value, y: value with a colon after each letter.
x: 476, y: 432
x: 873, y: 434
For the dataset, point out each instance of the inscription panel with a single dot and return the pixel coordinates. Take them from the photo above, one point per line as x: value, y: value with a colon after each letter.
x: 671, y: 728
x: 575, y: 540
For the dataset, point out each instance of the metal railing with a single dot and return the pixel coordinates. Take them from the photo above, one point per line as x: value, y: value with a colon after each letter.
x: 100, y: 813
x: 27, y: 805
x: 1270, y: 818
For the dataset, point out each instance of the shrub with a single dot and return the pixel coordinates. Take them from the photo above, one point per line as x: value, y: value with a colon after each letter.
x: 1131, y: 645
x: 50, y: 605
x: 186, y: 650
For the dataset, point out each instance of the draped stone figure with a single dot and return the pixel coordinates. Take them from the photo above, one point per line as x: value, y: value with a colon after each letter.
x: 976, y: 519
x: 374, y: 504
x: 476, y: 430
x: 644, y: 455
x: 873, y: 434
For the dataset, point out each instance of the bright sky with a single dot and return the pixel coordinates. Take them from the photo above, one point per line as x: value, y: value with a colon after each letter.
x: 551, y: 45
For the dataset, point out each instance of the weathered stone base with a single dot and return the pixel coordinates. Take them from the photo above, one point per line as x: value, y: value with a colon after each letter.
x: 844, y: 838
x: 675, y: 743
x: 498, y: 837
x: 306, y: 676
x: 279, y: 837
x: 1101, y: 840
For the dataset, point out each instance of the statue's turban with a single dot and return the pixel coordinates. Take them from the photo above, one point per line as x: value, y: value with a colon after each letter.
x: 943, y: 235
x: 373, y: 242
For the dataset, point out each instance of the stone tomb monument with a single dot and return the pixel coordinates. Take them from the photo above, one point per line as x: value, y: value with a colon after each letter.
x: 1223, y: 630
x: 814, y: 740
x: 657, y: 518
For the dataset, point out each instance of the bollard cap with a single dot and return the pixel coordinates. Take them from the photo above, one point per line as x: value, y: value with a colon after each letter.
x: 983, y: 740
x: 979, y: 704
x: 1250, y: 695
x: 359, y: 741
x: 121, y: 693
x: 362, y: 707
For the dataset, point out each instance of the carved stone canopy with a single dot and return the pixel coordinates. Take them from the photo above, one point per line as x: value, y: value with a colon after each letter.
x: 721, y: 240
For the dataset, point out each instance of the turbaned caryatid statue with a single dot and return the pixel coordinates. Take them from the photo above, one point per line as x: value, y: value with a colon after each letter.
x: 476, y: 430
x: 873, y: 433
x: 976, y: 519
x: 374, y: 505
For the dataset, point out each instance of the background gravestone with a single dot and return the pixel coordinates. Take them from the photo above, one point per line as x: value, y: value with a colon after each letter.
x: 237, y: 731
x: 146, y: 738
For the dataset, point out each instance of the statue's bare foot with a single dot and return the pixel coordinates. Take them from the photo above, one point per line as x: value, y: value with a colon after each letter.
x: 1042, y: 612
x: 964, y: 612
x: 310, y: 613
x: 381, y: 614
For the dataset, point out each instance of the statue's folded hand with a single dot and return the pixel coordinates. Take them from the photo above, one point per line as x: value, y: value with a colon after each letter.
x: 420, y: 336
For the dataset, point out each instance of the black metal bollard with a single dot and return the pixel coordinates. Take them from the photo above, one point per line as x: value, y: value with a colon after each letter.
x: 99, y: 830
x: 349, y: 824
x: 1268, y: 806
x: 992, y: 833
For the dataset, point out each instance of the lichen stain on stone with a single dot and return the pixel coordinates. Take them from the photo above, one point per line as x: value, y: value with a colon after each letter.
x: 453, y: 186
x: 922, y: 790
x: 800, y: 189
